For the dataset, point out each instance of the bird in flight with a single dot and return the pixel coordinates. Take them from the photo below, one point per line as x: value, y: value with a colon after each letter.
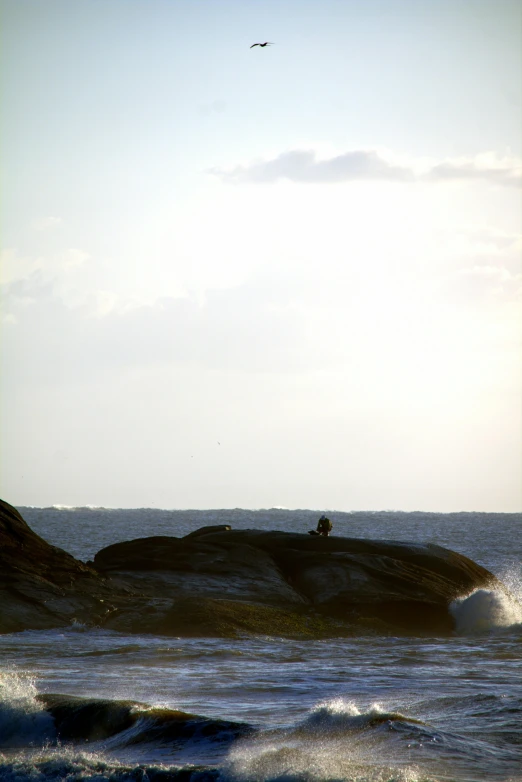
x: 266, y: 43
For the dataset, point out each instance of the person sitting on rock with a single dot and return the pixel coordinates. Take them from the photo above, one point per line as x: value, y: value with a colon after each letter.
x: 324, y: 526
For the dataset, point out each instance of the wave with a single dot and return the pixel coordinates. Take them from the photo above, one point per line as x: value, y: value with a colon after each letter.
x: 338, y: 741
x: 342, y: 716
x: 317, y: 748
x: 486, y: 610
x: 58, y: 506
x: 128, y: 723
x: 66, y: 765
x: 28, y: 718
x: 23, y: 721
x: 43, y: 737
x: 117, y: 650
x: 42, y: 719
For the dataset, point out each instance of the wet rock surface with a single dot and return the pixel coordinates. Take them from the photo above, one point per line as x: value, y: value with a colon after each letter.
x: 223, y: 582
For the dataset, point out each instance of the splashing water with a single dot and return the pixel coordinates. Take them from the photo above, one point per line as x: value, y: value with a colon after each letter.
x: 335, y: 741
x: 512, y: 578
x: 486, y: 610
x: 22, y: 719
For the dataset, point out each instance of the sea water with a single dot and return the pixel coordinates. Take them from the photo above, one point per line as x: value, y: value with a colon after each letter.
x: 145, y: 707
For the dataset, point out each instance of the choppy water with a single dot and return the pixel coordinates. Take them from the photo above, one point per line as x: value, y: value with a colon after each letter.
x: 155, y: 708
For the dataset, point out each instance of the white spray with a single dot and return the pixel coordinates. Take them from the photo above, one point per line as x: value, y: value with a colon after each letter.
x: 486, y: 610
x: 22, y: 718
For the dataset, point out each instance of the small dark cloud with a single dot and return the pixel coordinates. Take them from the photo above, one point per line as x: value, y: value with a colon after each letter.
x: 368, y: 165
x: 303, y: 166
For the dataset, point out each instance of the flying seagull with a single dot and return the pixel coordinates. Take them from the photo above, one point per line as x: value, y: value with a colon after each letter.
x: 266, y: 43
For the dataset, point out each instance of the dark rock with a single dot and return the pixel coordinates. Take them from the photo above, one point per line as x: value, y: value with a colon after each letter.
x: 245, y: 581
x: 184, y: 567
x: 381, y: 584
x: 210, y: 528
x: 42, y: 586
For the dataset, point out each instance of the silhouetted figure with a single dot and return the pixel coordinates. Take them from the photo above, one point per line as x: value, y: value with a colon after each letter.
x: 266, y: 43
x: 324, y: 526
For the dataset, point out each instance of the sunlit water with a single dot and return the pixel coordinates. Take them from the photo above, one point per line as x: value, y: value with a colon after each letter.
x: 372, y: 708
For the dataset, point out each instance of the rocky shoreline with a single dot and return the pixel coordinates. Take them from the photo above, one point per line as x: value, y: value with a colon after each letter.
x: 220, y: 582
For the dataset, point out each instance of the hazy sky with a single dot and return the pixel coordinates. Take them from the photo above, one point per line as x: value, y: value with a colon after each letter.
x: 287, y: 276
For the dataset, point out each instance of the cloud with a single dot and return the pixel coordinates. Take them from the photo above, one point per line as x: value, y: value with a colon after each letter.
x: 487, y: 166
x: 72, y: 258
x: 25, y: 279
x: 249, y: 328
x: 14, y: 266
x: 487, y: 239
x: 483, y: 284
x: 474, y: 245
x: 46, y: 223
x: 305, y: 165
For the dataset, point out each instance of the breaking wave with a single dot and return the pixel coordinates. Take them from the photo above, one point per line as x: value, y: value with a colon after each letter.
x: 74, y: 766
x: 31, y: 719
x: 336, y: 740
x: 486, y: 610
x: 23, y: 721
x: 342, y: 716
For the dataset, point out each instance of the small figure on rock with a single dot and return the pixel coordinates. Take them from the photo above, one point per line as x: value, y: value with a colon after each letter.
x: 324, y: 527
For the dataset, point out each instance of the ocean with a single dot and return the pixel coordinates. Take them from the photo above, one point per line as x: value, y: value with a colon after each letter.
x: 267, y: 709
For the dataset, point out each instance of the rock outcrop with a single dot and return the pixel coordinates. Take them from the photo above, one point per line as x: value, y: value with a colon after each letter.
x: 222, y: 582
x: 337, y: 584
x: 42, y: 586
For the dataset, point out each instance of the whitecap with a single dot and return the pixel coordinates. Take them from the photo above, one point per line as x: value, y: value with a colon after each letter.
x: 23, y: 720
x: 485, y: 610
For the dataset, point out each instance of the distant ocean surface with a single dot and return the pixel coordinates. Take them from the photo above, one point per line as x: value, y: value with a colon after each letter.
x: 268, y: 709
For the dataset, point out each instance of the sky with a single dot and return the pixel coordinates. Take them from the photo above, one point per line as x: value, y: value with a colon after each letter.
x: 286, y: 276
